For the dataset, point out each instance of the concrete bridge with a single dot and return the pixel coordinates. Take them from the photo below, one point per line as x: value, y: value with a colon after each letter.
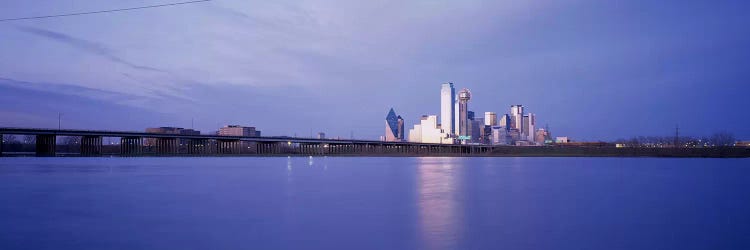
x: 141, y: 143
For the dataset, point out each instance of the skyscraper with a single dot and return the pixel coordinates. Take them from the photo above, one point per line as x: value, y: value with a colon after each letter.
x: 447, y: 108
x: 490, y: 119
x: 394, y: 127
x: 516, y: 117
x: 463, y: 112
x: 529, y: 125
x: 505, y: 121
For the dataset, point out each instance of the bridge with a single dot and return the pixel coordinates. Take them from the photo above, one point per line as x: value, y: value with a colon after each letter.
x: 133, y: 143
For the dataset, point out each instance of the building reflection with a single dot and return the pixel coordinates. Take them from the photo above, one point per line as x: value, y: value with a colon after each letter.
x: 438, y: 202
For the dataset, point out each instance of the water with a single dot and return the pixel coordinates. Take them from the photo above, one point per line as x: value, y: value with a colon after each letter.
x: 374, y: 203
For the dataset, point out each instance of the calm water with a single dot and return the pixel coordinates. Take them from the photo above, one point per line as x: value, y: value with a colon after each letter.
x: 374, y: 203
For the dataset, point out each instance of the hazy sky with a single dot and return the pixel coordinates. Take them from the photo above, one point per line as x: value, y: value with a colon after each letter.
x: 590, y: 69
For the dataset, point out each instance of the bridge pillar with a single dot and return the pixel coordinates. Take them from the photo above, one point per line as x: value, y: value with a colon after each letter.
x: 1, y: 145
x: 46, y: 145
x: 131, y: 145
x: 228, y: 146
x: 167, y: 146
x: 197, y: 146
x: 91, y: 145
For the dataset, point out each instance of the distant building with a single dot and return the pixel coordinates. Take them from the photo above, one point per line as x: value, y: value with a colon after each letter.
x: 540, y: 136
x: 562, y: 139
x: 529, y: 126
x: 394, y: 127
x: 504, y: 121
x: 490, y: 118
x: 447, y: 108
x: 171, y: 131
x: 462, y: 116
x: 321, y: 135
x: 516, y: 117
x: 742, y: 144
x: 428, y: 131
x: 500, y: 136
x: 237, y: 130
x: 515, y: 135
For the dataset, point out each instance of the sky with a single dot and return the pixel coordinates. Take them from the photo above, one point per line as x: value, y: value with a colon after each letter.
x: 589, y: 69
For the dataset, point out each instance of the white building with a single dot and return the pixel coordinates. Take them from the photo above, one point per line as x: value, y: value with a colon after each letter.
x: 516, y: 117
x: 428, y: 131
x: 490, y: 118
x: 447, y: 108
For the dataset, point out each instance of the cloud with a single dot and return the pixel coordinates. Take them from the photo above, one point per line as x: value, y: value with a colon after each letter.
x: 87, y: 46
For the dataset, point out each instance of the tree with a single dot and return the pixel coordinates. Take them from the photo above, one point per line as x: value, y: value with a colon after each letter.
x: 722, y: 139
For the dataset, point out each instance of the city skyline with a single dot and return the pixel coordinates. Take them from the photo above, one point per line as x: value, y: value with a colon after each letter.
x: 592, y: 83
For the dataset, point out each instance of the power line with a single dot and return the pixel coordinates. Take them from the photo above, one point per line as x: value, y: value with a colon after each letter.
x: 102, y: 11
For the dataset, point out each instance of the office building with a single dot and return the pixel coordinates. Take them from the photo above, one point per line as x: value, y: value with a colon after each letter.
x: 516, y: 117
x: 490, y: 118
x: 504, y: 121
x: 500, y: 136
x: 237, y: 130
x: 540, y: 136
x: 394, y: 127
x: 562, y: 139
x: 428, y: 131
x: 447, y: 108
x: 169, y: 130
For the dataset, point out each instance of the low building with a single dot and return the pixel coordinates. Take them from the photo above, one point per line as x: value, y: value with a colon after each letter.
x: 321, y: 135
x: 237, y: 130
x: 562, y: 139
x: 169, y: 131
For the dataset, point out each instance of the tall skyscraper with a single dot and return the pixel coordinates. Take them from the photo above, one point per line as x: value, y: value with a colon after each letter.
x: 516, y: 117
x: 529, y: 125
x: 505, y: 121
x: 463, y: 112
x: 447, y: 108
x: 490, y: 119
x: 394, y: 126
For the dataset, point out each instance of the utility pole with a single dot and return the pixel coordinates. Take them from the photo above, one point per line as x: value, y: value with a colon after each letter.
x: 59, y: 117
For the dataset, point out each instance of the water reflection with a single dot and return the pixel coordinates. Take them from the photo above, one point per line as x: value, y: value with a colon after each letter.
x: 440, y: 211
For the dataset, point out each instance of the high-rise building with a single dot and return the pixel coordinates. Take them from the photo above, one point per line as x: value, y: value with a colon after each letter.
x: 463, y: 112
x: 490, y: 118
x: 516, y: 117
x: 529, y: 125
x: 504, y: 121
x: 447, y: 108
x: 394, y: 127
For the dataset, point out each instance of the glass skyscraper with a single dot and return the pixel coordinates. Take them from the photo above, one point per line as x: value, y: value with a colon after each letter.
x: 447, y: 108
